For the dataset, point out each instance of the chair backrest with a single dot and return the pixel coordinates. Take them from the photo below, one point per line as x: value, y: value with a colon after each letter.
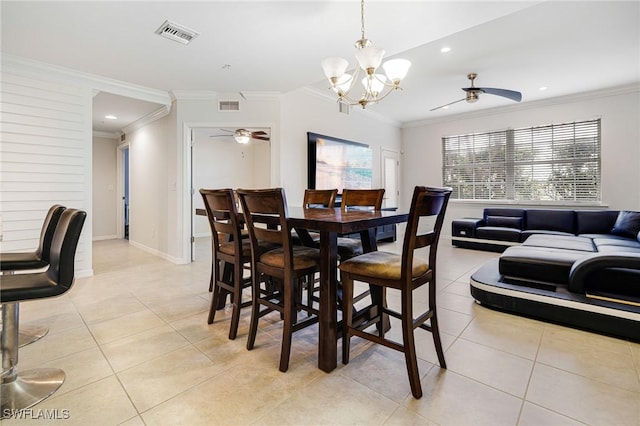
x: 48, y: 228
x: 265, y: 212
x: 426, y: 202
x: 319, y: 198
x: 63, y: 247
x: 222, y: 213
x: 361, y: 199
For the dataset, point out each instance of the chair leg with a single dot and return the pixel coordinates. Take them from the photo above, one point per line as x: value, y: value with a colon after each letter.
x: 287, y: 329
x: 436, y: 340
x: 237, y: 300
x: 435, y: 330
x: 25, y: 389
x: 347, y: 315
x: 409, y: 344
x: 255, y: 309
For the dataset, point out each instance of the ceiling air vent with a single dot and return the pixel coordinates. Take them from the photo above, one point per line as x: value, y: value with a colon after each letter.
x: 176, y: 32
x: 229, y: 106
x: 343, y: 108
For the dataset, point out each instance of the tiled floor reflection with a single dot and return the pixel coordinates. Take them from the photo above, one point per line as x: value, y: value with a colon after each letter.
x: 137, y: 350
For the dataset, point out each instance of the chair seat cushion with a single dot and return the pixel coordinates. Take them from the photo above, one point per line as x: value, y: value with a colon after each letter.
x: 381, y: 264
x: 229, y: 248
x: 19, y: 287
x: 303, y: 257
x: 349, y: 247
x: 21, y: 261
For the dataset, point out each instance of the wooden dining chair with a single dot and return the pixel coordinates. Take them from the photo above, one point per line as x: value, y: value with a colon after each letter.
x: 278, y: 274
x: 229, y: 252
x: 319, y: 198
x: 405, y: 273
x: 353, y: 199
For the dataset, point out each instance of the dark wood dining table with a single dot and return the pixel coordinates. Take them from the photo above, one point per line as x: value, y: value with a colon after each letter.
x: 330, y: 223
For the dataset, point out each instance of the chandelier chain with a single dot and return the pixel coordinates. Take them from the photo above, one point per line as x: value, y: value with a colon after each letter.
x: 362, y: 18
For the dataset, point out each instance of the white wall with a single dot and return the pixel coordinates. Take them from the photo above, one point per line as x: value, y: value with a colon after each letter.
x: 104, y: 188
x: 618, y: 108
x: 223, y: 163
x: 151, y: 183
x: 45, y: 154
x: 303, y: 111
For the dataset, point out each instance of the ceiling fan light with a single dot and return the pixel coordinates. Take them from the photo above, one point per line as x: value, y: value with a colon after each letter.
x: 369, y: 57
x: 396, y: 69
x: 243, y: 139
x: 242, y: 136
x: 334, y: 67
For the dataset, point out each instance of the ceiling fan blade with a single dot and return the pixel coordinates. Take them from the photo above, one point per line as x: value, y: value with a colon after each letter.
x: 262, y: 138
x: 509, y: 94
x: 259, y: 132
x: 446, y: 105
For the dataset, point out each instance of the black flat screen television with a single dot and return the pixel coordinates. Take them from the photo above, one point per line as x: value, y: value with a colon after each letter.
x: 338, y: 163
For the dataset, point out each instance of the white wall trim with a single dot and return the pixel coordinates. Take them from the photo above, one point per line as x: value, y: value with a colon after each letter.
x: 84, y: 273
x: 194, y: 95
x: 163, y: 111
x: 594, y: 94
x: 40, y: 69
x: 261, y: 96
x: 105, y: 237
x: 158, y: 253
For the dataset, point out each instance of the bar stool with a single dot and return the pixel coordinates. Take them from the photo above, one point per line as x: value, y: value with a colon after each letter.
x: 281, y: 270
x: 38, y: 259
x: 404, y: 273
x: 230, y: 253
x: 25, y: 389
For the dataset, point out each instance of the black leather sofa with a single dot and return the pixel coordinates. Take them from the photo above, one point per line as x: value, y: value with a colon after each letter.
x: 580, y: 268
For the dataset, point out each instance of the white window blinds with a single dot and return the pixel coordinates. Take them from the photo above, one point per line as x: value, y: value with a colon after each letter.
x: 558, y: 162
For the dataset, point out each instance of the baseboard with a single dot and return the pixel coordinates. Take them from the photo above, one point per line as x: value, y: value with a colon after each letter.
x: 105, y: 237
x: 156, y: 252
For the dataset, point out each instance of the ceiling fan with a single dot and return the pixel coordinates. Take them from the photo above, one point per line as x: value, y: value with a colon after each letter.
x: 473, y: 93
x: 243, y: 136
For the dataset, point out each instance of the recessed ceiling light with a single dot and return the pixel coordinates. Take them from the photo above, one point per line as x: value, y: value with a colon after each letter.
x: 110, y: 117
x: 543, y: 88
x: 445, y: 49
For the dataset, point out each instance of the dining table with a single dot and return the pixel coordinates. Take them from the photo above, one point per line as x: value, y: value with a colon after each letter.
x: 330, y: 223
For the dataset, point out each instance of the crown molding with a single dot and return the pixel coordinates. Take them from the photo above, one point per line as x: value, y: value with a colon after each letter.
x: 261, y: 96
x: 559, y: 100
x: 193, y: 95
x: 97, y: 83
x: 147, y: 119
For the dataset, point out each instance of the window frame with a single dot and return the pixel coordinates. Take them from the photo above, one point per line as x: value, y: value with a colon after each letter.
x: 472, y: 165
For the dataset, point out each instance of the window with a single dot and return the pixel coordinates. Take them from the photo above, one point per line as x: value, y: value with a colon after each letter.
x: 557, y: 162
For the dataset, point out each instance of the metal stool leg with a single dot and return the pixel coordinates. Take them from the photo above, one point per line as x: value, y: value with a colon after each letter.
x: 28, y: 333
x: 22, y: 390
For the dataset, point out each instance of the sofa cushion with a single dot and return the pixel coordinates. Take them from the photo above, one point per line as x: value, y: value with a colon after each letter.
x: 504, y: 221
x: 498, y: 211
x: 498, y: 233
x: 621, y: 249
x: 526, y: 234
x: 538, y: 263
x: 568, y: 242
x: 627, y: 224
x: 551, y: 220
x: 595, y: 221
x: 618, y: 242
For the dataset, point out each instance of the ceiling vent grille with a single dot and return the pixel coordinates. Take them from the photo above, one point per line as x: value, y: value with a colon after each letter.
x: 229, y: 106
x: 344, y: 108
x: 176, y: 32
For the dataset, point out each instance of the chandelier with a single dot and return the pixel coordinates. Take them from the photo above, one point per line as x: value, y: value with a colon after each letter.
x: 376, y: 86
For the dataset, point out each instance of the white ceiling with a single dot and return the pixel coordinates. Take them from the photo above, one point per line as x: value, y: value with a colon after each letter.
x: 570, y: 47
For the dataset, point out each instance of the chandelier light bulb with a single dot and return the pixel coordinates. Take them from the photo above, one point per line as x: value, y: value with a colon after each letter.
x: 369, y: 57
x: 396, y: 69
x: 334, y: 67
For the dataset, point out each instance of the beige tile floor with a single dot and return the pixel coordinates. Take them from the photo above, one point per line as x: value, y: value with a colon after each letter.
x: 135, y: 345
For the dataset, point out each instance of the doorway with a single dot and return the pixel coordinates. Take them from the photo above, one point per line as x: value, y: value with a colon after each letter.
x: 218, y: 161
x: 124, y: 201
x: 390, y: 177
